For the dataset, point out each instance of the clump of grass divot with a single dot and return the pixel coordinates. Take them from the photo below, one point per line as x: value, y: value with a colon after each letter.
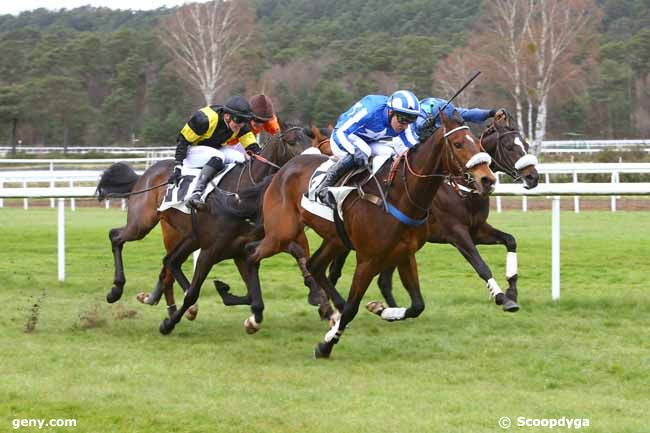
x: 30, y: 325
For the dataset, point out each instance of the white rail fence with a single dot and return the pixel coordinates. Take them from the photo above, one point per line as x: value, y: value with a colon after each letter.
x: 548, y: 146
x: 553, y: 190
x: 613, y: 170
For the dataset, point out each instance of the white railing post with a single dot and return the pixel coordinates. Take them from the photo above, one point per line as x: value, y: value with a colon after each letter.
x: 524, y: 203
x: 108, y: 204
x: 2, y: 201
x: 25, y: 202
x: 61, y: 239
x: 52, y: 200
x: 498, y: 197
x: 123, y: 204
x: 555, y: 250
x: 576, y: 198
x: 614, y: 180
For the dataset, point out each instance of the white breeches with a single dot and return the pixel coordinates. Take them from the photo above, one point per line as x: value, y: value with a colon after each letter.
x: 198, y: 156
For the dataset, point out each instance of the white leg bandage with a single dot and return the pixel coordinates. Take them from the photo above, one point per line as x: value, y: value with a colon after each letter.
x: 493, y: 288
x: 511, y: 265
x: 333, y: 332
x: 391, y: 314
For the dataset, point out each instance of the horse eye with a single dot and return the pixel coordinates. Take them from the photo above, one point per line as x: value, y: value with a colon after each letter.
x: 459, y: 145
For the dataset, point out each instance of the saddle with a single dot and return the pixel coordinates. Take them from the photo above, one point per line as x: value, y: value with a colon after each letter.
x: 177, y: 195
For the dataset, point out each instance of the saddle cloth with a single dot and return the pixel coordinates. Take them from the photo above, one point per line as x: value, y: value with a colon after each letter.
x: 177, y: 196
x: 310, y: 201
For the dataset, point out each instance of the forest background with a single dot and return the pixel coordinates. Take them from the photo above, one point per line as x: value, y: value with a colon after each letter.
x: 101, y: 77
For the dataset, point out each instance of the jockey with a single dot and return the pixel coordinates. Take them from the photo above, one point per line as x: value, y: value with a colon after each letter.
x: 264, y: 119
x: 375, y: 125
x: 201, y: 142
x: 431, y: 106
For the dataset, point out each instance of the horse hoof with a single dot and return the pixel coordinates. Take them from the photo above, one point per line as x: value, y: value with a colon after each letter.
x: 322, y: 351
x: 510, y: 306
x: 375, y: 307
x: 326, y: 312
x: 142, y: 297
x: 192, y: 312
x: 114, y: 295
x: 166, y: 327
x: 250, y: 326
x: 511, y: 294
x: 313, y: 298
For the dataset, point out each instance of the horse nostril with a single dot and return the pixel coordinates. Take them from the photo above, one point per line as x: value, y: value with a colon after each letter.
x: 487, y: 183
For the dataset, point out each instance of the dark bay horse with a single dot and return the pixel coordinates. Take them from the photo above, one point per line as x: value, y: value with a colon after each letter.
x: 459, y: 217
x: 119, y: 180
x: 409, y: 187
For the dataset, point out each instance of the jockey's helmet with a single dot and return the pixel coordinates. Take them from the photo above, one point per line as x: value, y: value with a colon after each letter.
x: 238, y: 106
x: 262, y: 108
x: 404, y: 101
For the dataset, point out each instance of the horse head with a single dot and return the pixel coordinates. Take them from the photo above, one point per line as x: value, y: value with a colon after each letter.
x: 509, y: 151
x: 320, y: 138
x: 463, y: 154
x: 289, y: 142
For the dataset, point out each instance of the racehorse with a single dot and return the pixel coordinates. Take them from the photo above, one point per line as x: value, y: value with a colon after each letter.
x: 119, y: 180
x: 459, y: 217
x: 410, y: 185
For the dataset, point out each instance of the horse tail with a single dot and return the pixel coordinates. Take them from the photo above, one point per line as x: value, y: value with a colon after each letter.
x: 247, y: 204
x: 116, y: 181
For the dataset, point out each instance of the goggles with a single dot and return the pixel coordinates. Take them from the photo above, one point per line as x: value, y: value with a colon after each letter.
x: 405, y: 119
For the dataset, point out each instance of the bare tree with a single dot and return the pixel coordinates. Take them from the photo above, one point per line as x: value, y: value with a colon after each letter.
x: 452, y: 72
x: 529, y: 42
x: 204, y: 38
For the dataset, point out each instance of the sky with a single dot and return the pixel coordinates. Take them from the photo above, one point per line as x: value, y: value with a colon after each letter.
x: 16, y: 6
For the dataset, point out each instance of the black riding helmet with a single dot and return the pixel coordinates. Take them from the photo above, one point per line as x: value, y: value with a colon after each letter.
x: 238, y: 106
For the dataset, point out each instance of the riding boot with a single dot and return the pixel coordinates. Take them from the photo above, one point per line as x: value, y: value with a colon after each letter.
x: 335, y: 172
x: 207, y: 173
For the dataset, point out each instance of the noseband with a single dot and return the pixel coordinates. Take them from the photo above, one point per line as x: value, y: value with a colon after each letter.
x: 501, y: 159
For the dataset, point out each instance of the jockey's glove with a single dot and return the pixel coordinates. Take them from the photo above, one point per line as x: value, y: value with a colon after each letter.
x: 360, y: 158
x: 254, y: 148
x: 176, y: 176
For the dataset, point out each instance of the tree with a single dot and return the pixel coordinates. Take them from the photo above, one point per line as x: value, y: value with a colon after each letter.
x: 10, y: 110
x: 529, y: 42
x: 203, y: 39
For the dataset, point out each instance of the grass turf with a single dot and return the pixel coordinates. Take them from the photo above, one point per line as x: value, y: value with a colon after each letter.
x: 458, y: 368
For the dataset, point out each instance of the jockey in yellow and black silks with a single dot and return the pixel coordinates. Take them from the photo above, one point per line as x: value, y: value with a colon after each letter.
x: 201, y: 142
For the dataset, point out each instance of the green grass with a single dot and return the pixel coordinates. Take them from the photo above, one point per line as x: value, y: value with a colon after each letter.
x: 458, y: 368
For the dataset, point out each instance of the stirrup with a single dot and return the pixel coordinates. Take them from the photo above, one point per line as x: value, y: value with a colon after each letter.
x: 196, y: 202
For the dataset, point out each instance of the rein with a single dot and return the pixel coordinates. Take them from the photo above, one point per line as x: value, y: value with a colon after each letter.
x: 112, y: 194
x: 499, y: 157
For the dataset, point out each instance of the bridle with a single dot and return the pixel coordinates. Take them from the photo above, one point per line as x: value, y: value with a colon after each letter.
x: 502, y: 161
x: 451, y: 167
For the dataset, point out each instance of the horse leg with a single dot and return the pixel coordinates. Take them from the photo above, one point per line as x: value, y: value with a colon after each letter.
x: 408, y: 272
x: 363, y: 275
x: 327, y: 252
x: 223, y: 289
x: 132, y: 231
x: 488, y: 235
x: 299, y: 249
x: 336, y: 267
x: 203, y: 266
x: 250, y: 274
x: 464, y: 243
x: 173, y: 262
x: 385, y: 283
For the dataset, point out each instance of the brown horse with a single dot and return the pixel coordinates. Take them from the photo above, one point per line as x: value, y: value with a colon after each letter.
x: 459, y: 217
x: 119, y: 180
x: 410, y: 187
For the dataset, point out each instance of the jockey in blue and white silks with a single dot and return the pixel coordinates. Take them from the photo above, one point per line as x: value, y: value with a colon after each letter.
x: 375, y: 125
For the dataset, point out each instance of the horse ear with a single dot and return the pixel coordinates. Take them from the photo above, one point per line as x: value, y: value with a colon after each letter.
x: 309, y: 132
x: 315, y: 132
x: 330, y: 127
